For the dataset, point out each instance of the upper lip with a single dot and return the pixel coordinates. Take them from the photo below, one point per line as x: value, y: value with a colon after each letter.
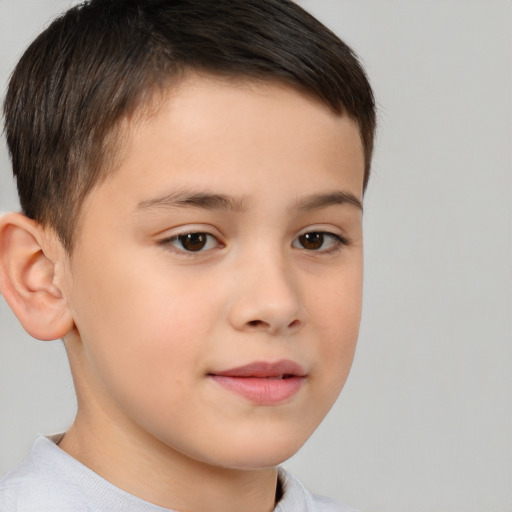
x: 262, y: 369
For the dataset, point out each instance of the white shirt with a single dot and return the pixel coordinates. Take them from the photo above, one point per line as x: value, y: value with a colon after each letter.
x: 50, y: 480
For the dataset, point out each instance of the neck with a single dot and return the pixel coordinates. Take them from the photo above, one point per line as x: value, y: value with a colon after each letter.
x: 140, y: 464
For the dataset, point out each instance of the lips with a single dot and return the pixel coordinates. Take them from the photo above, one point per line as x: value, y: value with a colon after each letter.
x: 263, y: 383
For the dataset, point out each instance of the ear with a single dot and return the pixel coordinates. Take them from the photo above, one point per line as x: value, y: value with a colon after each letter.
x: 28, y: 259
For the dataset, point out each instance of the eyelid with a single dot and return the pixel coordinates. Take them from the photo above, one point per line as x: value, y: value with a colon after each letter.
x: 167, y: 241
x: 339, y: 240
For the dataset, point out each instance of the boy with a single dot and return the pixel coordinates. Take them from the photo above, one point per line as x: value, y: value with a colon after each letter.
x: 191, y: 177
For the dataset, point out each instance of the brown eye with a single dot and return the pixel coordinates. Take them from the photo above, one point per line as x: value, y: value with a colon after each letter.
x: 322, y: 242
x: 311, y: 241
x: 193, y: 242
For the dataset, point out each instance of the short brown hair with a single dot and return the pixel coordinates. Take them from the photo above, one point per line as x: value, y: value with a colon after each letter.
x: 96, y: 64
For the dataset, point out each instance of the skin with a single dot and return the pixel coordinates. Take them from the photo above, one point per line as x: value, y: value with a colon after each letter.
x: 151, y: 321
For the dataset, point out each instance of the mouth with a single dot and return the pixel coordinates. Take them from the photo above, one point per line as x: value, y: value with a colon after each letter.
x: 263, y: 383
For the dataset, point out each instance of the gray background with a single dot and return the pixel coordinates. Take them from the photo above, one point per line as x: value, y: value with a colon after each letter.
x: 425, y: 421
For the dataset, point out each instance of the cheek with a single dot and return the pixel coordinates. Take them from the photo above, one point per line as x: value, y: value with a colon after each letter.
x: 144, y: 333
x: 336, y: 315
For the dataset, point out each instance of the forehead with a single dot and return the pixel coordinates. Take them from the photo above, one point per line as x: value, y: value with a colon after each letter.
x: 219, y: 132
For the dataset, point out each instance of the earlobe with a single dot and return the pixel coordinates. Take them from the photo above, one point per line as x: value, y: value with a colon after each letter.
x: 28, y: 280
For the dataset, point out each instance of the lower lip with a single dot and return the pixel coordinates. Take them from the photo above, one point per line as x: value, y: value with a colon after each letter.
x: 262, y: 391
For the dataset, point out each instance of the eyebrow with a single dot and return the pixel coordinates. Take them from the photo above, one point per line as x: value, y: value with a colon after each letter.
x: 318, y: 201
x: 203, y: 200
x: 224, y: 202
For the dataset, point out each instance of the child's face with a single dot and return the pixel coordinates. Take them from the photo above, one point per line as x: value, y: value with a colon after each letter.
x: 165, y: 322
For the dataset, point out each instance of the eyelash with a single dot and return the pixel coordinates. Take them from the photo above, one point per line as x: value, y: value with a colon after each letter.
x: 180, y: 237
x: 338, y: 242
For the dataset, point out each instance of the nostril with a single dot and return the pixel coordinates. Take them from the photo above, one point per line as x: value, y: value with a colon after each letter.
x: 293, y: 324
x: 255, y: 323
x: 261, y: 324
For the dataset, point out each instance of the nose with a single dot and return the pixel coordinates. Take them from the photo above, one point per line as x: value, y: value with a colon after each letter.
x: 267, y: 298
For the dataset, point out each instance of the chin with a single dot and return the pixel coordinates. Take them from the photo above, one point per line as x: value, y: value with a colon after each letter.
x: 260, y: 453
